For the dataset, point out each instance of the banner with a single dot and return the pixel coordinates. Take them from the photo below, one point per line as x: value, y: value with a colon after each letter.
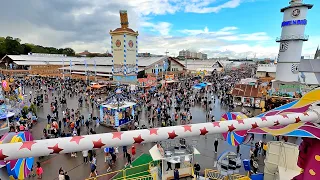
x: 156, y: 69
x: 116, y: 119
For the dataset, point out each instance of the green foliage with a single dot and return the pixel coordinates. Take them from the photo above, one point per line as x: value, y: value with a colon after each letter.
x: 13, y: 46
x: 25, y: 110
x: 33, y: 109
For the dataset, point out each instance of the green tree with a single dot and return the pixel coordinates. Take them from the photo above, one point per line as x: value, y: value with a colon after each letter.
x: 12, y: 46
x: 68, y: 51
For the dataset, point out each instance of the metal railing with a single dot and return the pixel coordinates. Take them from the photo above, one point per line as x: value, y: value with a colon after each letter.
x: 292, y: 37
x: 127, y: 173
x: 215, y: 175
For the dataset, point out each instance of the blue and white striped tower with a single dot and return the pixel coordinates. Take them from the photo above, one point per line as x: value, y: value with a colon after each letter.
x: 137, y: 67
x: 124, y: 52
x: 112, y: 56
x: 124, y: 55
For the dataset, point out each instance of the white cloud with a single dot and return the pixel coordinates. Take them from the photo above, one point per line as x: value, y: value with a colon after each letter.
x: 158, y: 7
x: 259, y: 36
x: 84, y: 25
x: 223, y: 31
x: 162, y: 27
x: 204, y: 6
x: 214, y: 47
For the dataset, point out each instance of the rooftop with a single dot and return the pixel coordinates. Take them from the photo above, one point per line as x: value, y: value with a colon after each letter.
x: 53, y: 60
x: 245, y: 90
x: 271, y: 68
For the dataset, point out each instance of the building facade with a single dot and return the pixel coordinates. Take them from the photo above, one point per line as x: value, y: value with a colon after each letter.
x: 192, y: 55
x: 266, y: 70
x: 291, y: 41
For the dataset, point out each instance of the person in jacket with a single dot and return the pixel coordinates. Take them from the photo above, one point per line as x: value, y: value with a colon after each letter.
x: 176, y: 175
x: 197, y: 169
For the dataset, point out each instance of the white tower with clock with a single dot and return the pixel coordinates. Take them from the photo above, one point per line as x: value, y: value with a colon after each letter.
x: 291, y: 41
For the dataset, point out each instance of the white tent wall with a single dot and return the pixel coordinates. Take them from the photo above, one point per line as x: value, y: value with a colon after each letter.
x: 280, y: 155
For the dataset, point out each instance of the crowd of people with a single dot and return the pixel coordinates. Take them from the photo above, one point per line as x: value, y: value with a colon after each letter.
x: 168, y: 105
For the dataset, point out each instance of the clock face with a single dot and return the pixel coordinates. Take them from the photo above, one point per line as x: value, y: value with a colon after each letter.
x: 284, y: 46
x: 295, y: 13
x: 295, y: 68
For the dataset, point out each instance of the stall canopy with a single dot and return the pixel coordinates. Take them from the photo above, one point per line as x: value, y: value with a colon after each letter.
x: 200, y: 85
x: 97, y: 86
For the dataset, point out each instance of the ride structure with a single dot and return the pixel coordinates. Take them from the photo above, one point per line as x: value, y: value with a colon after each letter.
x: 119, y: 108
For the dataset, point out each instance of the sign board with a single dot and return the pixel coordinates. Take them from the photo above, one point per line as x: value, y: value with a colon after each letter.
x: 294, y: 22
x: 169, y: 77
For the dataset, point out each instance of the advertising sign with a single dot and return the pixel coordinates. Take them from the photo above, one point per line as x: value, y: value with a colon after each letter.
x: 294, y: 22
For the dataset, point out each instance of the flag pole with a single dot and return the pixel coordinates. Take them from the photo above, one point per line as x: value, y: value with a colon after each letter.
x: 70, y: 68
x: 63, y: 68
x: 95, y: 70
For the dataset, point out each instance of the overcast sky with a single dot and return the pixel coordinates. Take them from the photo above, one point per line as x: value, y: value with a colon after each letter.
x: 209, y: 26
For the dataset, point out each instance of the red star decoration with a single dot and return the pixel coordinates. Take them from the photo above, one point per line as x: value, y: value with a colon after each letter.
x: 264, y: 119
x: 203, y: 131
x: 285, y: 116
x: 116, y: 135
x: 2, y: 156
x: 27, y: 144
x: 255, y: 125
x: 153, y: 131
x: 187, y: 128
x: 172, y: 135
x: 305, y: 114
x: 276, y: 123
x: 298, y: 119
x: 98, y: 144
x: 240, y: 121
x: 138, y: 140
x: 76, y: 139
x: 216, y: 124
x: 231, y: 128
x: 56, y: 149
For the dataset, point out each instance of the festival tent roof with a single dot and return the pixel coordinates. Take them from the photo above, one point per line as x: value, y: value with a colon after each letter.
x: 28, y: 63
x: 60, y: 60
x: 245, y: 90
x: 43, y: 58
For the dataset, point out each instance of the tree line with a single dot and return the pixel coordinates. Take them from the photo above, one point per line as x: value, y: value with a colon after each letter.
x: 13, y: 46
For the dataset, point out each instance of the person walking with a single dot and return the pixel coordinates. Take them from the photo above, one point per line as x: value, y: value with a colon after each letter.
x: 93, y: 167
x: 216, y: 142
x: 61, y: 174
x: 85, y: 156
x: 197, y: 169
x: 169, y: 166
x: 133, y: 151
x: 128, y: 159
x: 39, y: 170
x: 124, y: 149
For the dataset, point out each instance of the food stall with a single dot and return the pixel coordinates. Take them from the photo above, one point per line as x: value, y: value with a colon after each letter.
x: 247, y: 95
